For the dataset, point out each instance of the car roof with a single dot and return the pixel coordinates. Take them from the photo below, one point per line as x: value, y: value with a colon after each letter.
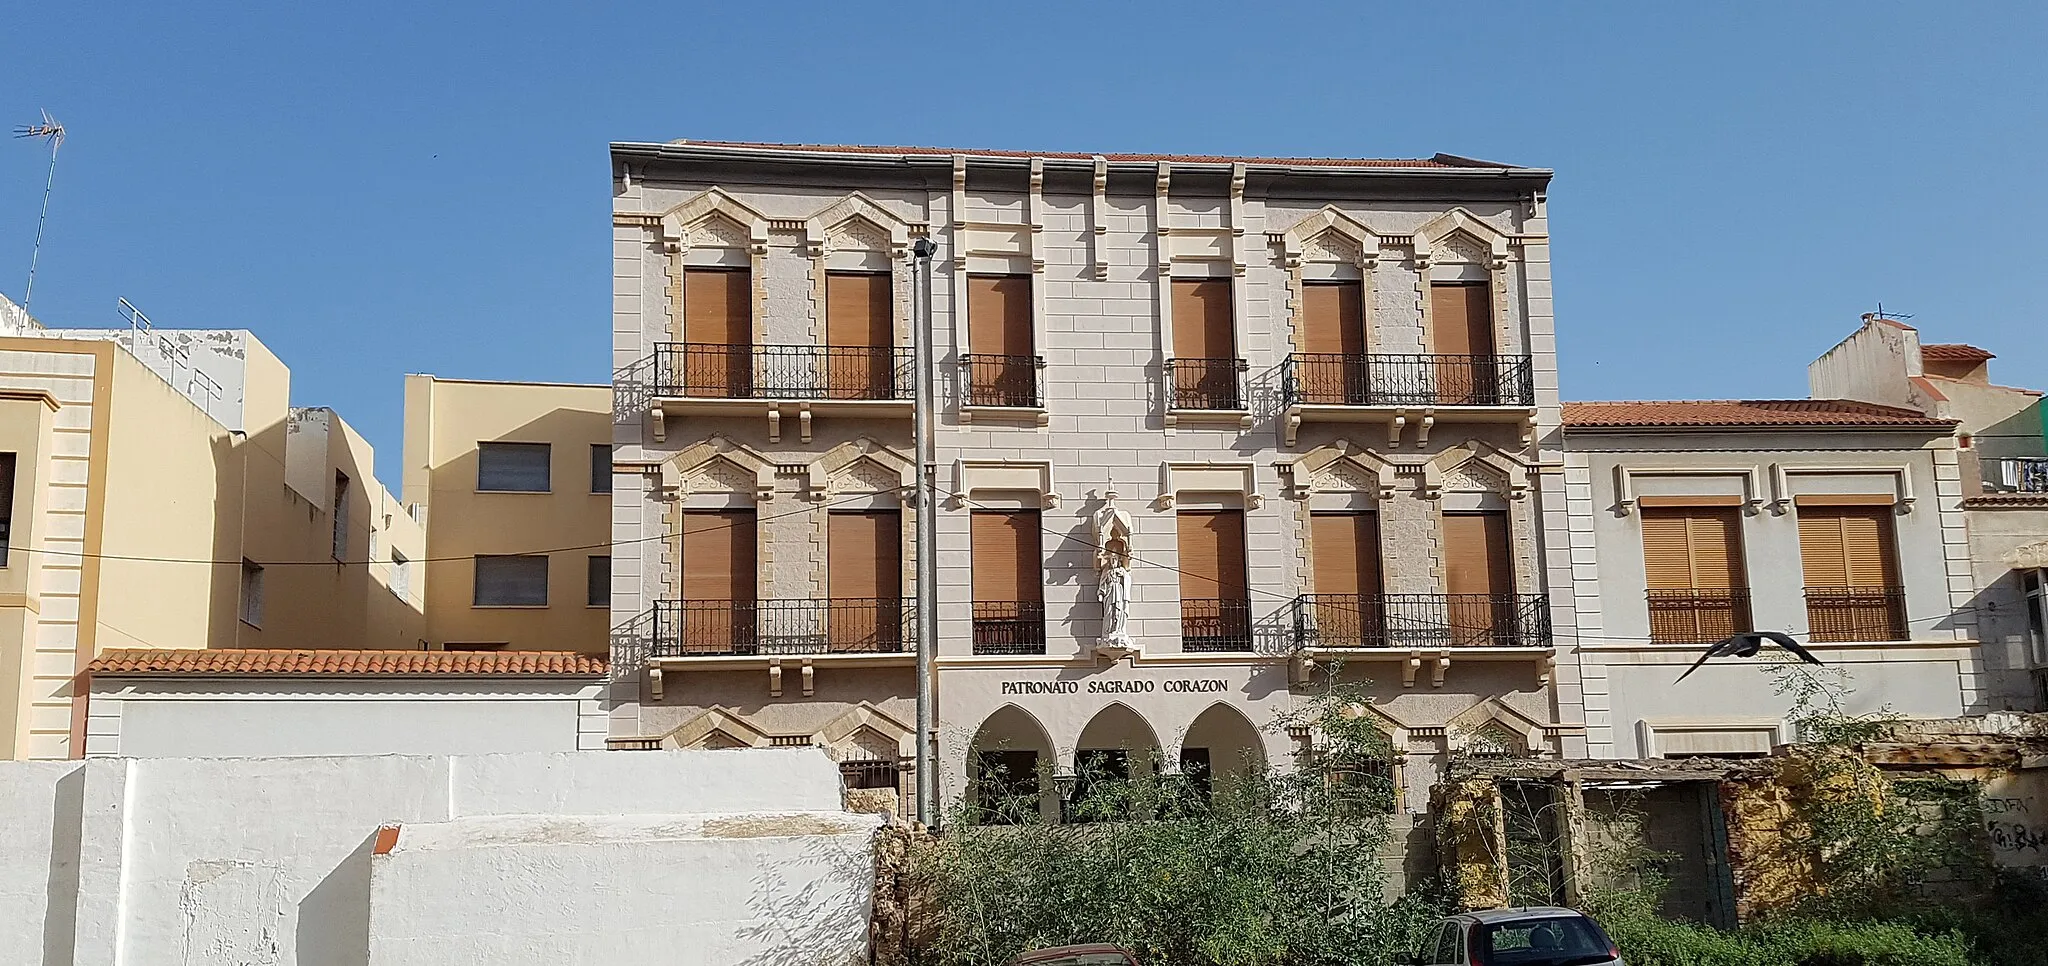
x: 1519, y: 912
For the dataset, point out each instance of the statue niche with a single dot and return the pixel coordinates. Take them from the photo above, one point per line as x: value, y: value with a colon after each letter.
x: 1112, y: 529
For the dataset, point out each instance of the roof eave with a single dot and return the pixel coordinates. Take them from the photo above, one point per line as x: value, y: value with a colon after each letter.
x: 1637, y: 428
x: 348, y: 676
x: 650, y: 151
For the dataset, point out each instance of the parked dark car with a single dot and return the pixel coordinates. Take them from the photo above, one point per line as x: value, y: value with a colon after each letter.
x: 1532, y: 936
x: 1092, y: 954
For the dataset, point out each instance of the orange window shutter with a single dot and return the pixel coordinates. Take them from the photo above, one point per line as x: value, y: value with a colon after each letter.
x: 1667, y: 550
x: 717, y: 306
x: 863, y: 555
x: 1346, y: 553
x: 718, y: 550
x: 1821, y: 550
x: 857, y: 310
x: 1716, y: 541
x: 999, y: 315
x: 1331, y: 321
x: 1202, y: 319
x: 1006, y: 556
x: 1461, y: 318
x: 1867, y: 545
x: 1476, y: 558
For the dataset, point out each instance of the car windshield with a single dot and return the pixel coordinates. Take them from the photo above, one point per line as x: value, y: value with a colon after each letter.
x: 1550, y: 941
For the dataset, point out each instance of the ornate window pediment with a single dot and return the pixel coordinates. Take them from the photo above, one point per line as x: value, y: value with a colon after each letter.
x: 1493, y: 728
x: 1341, y: 467
x: 1330, y: 235
x: 1459, y: 235
x: 861, y: 466
x: 718, y: 465
x: 716, y: 728
x: 714, y: 219
x: 1475, y: 466
x: 856, y: 223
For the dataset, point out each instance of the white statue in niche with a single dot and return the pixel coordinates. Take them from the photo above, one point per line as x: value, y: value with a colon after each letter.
x: 1113, y: 578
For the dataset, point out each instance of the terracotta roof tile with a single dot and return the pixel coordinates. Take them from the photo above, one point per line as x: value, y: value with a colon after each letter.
x: 1747, y: 413
x: 267, y: 662
x: 1954, y: 352
x: 1438, y: 161
x: 2007, y: 500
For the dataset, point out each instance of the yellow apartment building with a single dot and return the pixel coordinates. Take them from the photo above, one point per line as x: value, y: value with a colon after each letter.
x: 157, y: 490
x: 513, y: 481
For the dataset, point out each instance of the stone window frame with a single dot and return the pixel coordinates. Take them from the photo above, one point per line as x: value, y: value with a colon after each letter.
x: 835, y: 229
x: 979, y: 247
x: 1524, y: 521
x: 687, y: 232
x: 1305, y: 475
x: 673, y: 491
x: 1034, y: 476
x: 1304, y: 243
x: 1435, y: 243
x: 822, y: 478
x: 1222, y: 254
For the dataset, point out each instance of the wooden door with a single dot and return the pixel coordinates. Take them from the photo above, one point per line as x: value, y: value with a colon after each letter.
x: 864, y: 580
x: 1204, y: 345
x: 1345, y: 549
x: 718, y: 333
x: 716, y: 551
x: 1009, y: 609
x: 1214, y: 596
x: 1693, y: 573
x: 1461, y: 321
x: 859, y: 333
x: 1479, y: 579
x: 1004, y: 371
x: 1332, y: 368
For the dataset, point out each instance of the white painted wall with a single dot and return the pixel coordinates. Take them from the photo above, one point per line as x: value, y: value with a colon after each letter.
x: 465, y: 891
x: 141, y: 862
x: 286, y: 717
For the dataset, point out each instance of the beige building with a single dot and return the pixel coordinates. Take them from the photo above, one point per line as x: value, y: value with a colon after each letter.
x: 162, y: 492
x: 2004, y: 480
x: 1838, y: 522
x: 513, y: 482
x: 1322, y: 390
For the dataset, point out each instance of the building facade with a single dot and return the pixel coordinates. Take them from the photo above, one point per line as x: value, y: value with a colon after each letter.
x: 1840, y: 523
x: 513, y: 483
x: 1320, y: 395
x: 2004, y: 469
x: 162, y: 492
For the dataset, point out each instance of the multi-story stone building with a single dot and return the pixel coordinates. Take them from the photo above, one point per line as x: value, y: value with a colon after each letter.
x: 1322, y: 391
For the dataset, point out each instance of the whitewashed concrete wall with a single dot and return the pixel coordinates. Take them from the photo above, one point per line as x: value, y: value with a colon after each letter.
x: 270, y: 861
x: 202, y: 718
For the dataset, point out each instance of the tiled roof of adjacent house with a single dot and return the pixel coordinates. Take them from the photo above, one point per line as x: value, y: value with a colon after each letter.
x: 1437, y: 161
x: 2014, y: 500
x: 265, y: 662
x: 1743, y: 413
x: 1954, y: 352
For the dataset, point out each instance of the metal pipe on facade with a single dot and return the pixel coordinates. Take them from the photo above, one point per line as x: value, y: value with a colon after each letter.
x: 926, y: 767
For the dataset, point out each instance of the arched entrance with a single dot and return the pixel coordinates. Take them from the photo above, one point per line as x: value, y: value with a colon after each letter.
x: 1221, y: 745
x: 1009, y: 767
x: 1116, y: 746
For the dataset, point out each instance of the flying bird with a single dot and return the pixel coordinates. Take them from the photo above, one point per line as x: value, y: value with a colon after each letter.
x: 1747, y: 645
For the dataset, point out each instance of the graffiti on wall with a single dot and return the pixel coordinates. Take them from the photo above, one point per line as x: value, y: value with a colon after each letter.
x: 2016, y: 818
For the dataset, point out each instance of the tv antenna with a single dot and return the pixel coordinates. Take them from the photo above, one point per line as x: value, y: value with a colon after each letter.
x: 1897, y: 316
x: 51, y: 131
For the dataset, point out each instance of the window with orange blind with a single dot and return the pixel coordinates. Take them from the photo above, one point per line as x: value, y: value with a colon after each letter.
x: 1204, y: 345
x: 1850, y: 556
x: 1214, y: 594
x: 718, y: 581
x: 1009, y: 601
x: 1002, y: 367
x: 864, y: 579
x: 859, y: 330
x: 1693, y: 569
x: 718, y: 331
x: 1345, y: 554
x: 1461, y: 330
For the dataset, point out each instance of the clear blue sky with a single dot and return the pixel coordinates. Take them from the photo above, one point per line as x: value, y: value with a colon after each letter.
x: 378, y: 190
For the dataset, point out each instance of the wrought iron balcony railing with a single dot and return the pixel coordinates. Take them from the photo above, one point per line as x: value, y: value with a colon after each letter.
x: 1346, y: 379
x: 1206, y: 383
x: 722, y: 628
x: 1009, y: 627
x: 1215, y: 625
x: 706, y: 370
x: 1421, y: 620
x: 1698, y: 616
x: 2024, y: 474
x: 1835, y: 614
x: 1013, y: 381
